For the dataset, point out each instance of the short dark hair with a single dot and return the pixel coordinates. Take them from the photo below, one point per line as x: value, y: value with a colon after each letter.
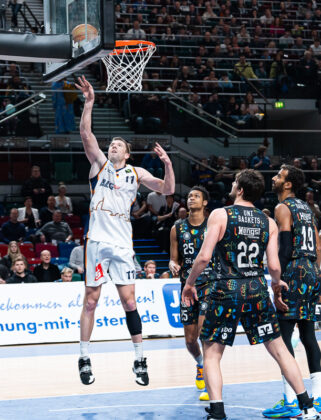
x: 295, y: 176
x: 203, y: 190
x: 261, y: 149
x: 128, y: 147
x: 252, y: 183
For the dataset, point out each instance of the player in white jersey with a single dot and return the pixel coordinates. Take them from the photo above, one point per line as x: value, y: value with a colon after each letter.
x: 108, y: 249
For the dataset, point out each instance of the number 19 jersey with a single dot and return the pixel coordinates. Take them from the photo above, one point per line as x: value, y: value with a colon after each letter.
x: 302, y: 273
x: 304, y: 242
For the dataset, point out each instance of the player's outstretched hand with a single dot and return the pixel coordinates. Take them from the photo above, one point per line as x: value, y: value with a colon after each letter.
x: 86, y: 88
x: 189, y: 295
x: 277, y: 290
x: 174, y: 267
x: 161, y: 154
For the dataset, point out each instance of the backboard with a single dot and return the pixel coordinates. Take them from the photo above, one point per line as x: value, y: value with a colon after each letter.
x: 91, y: 41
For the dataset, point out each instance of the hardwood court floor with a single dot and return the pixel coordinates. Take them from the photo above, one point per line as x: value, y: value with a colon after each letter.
x: 31, y: 373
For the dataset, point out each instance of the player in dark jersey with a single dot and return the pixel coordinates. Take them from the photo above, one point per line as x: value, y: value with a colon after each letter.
x: 240, y: 234
x: 299, y: 254
x: 186, y: 240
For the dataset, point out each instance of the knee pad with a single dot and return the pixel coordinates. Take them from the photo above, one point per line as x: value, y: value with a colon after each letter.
x: 134, y: 323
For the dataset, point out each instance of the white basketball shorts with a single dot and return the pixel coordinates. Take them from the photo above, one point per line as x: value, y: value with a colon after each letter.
x: 104, y: 262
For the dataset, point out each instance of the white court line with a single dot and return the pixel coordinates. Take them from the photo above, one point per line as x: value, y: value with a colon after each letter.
x: 134, y: 390
x: 147, y: 405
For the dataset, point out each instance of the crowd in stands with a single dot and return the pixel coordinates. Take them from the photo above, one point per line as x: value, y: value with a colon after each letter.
x: 14, y: 89
x: 210, y: 47
x: 207, y: 50
x: 43, y: 238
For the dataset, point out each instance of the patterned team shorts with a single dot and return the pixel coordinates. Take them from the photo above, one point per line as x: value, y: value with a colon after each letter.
x: 189, y: 314
x: 248, y: 302
x: 303, y: 296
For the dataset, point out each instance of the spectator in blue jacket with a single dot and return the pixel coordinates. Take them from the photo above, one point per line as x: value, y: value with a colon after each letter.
x: 13, y: 230
x: 152, y: 163
x: 260, y: 161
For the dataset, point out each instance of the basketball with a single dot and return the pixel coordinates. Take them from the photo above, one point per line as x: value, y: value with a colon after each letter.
x: 79, y: 32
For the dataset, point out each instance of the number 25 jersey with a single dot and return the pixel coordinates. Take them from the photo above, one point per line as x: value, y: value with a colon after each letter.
x: 304, y: 241
x: 239, y: 255
x: 190, y: 239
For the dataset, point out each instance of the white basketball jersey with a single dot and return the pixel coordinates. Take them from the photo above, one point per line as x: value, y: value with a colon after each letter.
x: 113, y: 191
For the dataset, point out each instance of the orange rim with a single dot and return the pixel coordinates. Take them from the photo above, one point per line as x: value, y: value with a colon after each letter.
x: 143, y: 46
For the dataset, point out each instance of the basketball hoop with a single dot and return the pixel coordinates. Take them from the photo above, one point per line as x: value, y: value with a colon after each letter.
x: 126, y: 63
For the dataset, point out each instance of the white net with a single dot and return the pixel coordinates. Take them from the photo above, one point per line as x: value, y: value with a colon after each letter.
x: 125, y: 69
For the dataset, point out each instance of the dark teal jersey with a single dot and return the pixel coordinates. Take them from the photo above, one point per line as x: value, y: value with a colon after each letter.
x: 303, y: 230
x: 190, y: 239
x: 239, y: 255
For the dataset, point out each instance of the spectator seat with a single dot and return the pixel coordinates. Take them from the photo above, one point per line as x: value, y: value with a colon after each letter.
x: 65, y: 249
x: 27, y: 250
x: 50, y: 247
x: 3, y: 250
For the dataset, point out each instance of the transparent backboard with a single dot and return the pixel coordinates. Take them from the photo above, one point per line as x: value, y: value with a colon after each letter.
x: 91, y: 26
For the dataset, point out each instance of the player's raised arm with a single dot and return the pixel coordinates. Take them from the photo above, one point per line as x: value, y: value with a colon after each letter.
x: 174, y: 263
x: 164, y: 186
x: 92, y: 150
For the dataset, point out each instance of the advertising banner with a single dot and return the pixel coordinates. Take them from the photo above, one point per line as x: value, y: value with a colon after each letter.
x: 50, y: 312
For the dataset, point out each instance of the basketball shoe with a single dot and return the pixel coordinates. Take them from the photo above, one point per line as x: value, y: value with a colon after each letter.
x: 216, y: 412
x: 204, y: 396
x: 310, y: 414
x: 199, y: 380
x: 140, y: 370
x: 283, y: 409
x: 85, y: 372
x: 317, y: 404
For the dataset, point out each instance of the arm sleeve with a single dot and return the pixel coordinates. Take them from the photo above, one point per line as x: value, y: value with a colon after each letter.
x: 72, y: 259
x: 20, y: 215
x: 32, y: 279
x: 285, y: 249
x: 48, y: 188
x: 3, y: 235
x: 56, y: 272
x: 68, y: 229
x: 22, y: 231
x: 36, y: 273
x: 70, y: 204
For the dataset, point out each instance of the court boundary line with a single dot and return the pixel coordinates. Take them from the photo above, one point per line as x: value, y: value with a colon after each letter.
x: 149, y: 405
x: 134, y: 390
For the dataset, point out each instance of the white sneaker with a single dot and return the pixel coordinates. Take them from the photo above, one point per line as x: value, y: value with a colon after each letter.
x: 310, y: 414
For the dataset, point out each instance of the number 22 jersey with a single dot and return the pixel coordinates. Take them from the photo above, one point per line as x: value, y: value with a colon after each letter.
x: 238, y: 256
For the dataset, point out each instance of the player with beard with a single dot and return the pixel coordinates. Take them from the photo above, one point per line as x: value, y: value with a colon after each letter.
x: 186, y: 239
x: 300, y: 256
x: 109, y: 247
x: 239, y: 235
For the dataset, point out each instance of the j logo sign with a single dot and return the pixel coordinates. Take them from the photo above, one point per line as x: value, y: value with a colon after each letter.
x: 172, y: 296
